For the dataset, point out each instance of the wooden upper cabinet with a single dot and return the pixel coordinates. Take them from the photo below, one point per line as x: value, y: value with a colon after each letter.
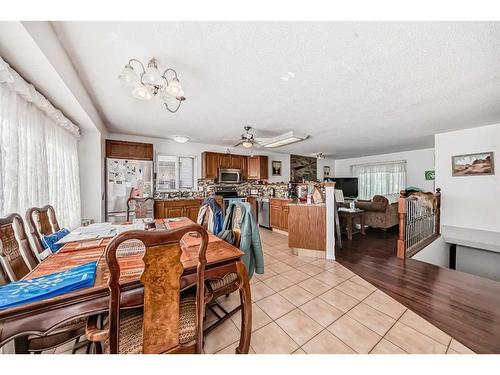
x: 257, y: 168
x: 128, y: 150
x: 209, y: 165
x: 252, y: 168
x: 237, y: 161
x: 224, y: 160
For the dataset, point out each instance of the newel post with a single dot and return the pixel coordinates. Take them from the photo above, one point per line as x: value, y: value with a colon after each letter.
x: 402, y: 224
x: 437, y: 214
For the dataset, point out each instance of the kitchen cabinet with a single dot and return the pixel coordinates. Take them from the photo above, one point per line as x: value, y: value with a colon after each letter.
x: 253, y: 203
x: 252, y: 167
x: 257, y: 168
x: 128, y: 150
x: 192, y: 212
x: 225, y: 161
x: 278, y: 209
x: 275, y: 216
x: 237, y: 161
x: 175, y: 211
x: 209, y: 165
x: 284, y: 218
x: 180, y: 207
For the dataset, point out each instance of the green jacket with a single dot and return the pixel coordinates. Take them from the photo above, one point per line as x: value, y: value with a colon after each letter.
x: 250, y: 237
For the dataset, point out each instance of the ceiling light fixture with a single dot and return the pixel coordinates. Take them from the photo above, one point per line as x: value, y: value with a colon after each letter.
x: 180, y: 139
x: 151, y: 82
x: 284, y: 139
x: 247, y: 144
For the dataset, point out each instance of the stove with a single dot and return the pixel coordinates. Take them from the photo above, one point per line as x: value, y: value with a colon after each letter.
x: 229, y: 194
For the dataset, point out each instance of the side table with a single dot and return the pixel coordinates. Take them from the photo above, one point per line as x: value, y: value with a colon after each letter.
x: 348, y: 219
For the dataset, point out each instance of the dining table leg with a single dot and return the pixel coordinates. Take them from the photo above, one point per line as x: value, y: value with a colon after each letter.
x: 246, y: 309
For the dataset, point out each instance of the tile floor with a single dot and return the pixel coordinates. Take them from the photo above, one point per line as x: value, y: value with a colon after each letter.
x: 306, y: 305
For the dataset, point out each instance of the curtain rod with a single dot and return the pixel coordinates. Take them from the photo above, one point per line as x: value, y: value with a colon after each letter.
x: 379, y: 163
x: 28, y: 92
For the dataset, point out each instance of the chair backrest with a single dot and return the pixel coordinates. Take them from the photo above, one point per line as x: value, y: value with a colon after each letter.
x: 16, y: 256
x: 140, y: 206
x: 41, y: 221
x: 161, y: 279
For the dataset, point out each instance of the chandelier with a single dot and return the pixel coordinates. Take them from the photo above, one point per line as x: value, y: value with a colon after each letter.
x: 150, y: 82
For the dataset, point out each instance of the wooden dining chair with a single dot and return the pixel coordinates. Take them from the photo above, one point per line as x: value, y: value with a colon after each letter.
x: 16, y: 256
x: 140, y: 206
x: 229, y: 283
x: 169, y: 320
x: 17, y: 259
x: 41, y: 221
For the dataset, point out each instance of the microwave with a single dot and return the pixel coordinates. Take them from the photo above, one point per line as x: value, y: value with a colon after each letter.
x: 229, y: 176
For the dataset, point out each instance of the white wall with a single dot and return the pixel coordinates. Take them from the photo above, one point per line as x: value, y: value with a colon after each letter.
x: 469, y: 201
x: 166, y: 146
x: 436, y: 253
x: 91, y: 164
x: 417, y: 162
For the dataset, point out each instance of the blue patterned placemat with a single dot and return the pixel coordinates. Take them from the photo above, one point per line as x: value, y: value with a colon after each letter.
x: 43, y: 287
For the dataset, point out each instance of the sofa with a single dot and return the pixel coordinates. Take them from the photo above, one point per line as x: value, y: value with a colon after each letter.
x: 381, y: 212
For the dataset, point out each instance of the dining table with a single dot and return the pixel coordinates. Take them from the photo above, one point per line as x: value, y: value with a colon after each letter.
x: 44, y: 316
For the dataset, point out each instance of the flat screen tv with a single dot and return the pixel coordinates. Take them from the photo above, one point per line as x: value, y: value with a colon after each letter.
x: 348, y: 185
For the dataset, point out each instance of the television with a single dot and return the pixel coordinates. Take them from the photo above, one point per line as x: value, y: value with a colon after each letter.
x: 348, y: 185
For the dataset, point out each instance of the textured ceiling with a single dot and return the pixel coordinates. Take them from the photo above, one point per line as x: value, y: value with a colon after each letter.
x: 358, y: 88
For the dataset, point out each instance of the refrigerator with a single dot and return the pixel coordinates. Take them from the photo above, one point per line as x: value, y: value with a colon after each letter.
x: 122, y: 175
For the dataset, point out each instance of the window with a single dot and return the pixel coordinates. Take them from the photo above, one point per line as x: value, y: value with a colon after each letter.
x: 380, y: 178
x: 175, y: 173
x: 38, y: 160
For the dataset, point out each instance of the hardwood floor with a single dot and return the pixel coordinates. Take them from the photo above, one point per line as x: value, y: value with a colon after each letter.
x: 465, y: 306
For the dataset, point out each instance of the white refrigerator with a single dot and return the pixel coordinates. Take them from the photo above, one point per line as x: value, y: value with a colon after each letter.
x: 122, y: 175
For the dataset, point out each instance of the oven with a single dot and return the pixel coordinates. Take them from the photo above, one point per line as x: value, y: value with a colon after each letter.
x: 229, y: 176
x: 229, y: 194
x: 228, y: 201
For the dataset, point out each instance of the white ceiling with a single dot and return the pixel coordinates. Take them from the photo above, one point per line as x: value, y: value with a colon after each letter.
x: 359, y: 88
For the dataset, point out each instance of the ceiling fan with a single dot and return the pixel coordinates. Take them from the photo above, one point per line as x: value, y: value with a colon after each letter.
x: 247, y: 139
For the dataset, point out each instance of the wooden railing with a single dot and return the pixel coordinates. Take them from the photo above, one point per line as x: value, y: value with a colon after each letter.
x: 419, y: 222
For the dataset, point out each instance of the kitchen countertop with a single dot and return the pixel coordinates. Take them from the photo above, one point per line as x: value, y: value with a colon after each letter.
x: 296, y: 202
x: 180, y: 199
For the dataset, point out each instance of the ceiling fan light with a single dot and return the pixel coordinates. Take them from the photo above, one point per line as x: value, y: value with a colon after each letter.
x: 174, y: 88
x: 247, y: 144
x: 142, y: 92
x: 128, y: 75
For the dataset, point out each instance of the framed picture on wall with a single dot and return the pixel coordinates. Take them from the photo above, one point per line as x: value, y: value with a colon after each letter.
x: 276, y: 166
x: 477, y: 164
x: 326, y: 171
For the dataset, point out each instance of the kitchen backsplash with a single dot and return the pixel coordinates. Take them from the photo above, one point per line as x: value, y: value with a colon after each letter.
x: 206, y: 188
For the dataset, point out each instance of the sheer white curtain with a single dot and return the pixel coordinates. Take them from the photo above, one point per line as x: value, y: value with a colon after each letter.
x: 380, y: 178
x: 38, y: 161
